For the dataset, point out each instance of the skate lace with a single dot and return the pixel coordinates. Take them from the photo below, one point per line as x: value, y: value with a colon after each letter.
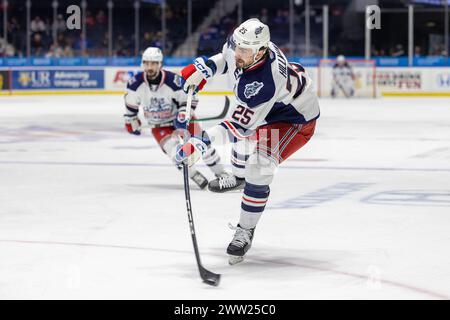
x: 241, y: 237
x: 227, y: 181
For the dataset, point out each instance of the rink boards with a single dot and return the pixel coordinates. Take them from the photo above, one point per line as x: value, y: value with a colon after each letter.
x: 391, y: 81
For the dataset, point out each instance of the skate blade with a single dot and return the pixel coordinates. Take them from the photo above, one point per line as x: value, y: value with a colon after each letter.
x: 232, y: 260
x: 236, y: 190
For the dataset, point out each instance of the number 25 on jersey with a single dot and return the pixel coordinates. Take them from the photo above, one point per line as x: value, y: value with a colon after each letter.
x: 242, y: 115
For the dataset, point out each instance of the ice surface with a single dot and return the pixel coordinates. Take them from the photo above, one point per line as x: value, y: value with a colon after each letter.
x: 88, y: 211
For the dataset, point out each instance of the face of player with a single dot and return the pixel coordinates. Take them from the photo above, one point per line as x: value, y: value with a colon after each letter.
x: 244, y: 57
x: 152, y: 68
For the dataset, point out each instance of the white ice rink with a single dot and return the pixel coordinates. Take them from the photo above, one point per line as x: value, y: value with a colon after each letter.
x: 88, y: 211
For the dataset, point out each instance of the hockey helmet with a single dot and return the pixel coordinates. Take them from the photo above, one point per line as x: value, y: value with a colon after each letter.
x: 152, y: 54
x: 252, y: 34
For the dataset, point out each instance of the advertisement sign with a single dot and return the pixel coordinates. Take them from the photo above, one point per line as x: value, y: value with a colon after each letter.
x: 4, y: 80
x: 390, y: 81
x: 443, y: 80
x: 417, y: 80
x: 394, y: 79
x: 57, y: 79
x: 117, y: 78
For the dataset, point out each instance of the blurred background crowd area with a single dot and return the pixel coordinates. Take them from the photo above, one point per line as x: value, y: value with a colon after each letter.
x: 124, y: 28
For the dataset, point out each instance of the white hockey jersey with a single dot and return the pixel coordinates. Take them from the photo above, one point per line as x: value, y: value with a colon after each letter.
x: 273, y: 90
x: 343, y: 72
x: 160, y: 102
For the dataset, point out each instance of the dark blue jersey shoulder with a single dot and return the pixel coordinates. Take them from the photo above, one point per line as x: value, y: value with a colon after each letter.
x: 298, y: 66
x: 135, y: 81
x: 174, y: 81
x: 257, y: 86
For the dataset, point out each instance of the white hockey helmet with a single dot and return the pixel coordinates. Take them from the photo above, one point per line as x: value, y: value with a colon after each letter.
x: 152, y: 54
x: 340, y: 58
x: 252, y: 34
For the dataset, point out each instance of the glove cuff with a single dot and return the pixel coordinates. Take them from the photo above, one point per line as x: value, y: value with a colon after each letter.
x: 206, y: 67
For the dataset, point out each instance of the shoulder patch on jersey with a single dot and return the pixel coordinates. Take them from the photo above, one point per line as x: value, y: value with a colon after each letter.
x: 252, y: 89
x: 174, y: 81
x: 135, y: 81
x: 177, y: 80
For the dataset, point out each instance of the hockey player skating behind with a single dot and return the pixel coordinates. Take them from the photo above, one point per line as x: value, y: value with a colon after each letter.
x: 160, y: 94
x: 343, y: 78
x: 276, y: 109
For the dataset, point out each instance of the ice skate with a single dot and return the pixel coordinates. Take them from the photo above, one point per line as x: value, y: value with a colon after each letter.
x: 226, y: 182
x: 242, y: 241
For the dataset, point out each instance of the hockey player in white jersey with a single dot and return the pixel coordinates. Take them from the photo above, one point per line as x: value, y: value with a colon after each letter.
x: 343, y: 78
x: 160, y: 94
x: 276, y: 110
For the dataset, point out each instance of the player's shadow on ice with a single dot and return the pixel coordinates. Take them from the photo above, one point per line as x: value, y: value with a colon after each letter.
x: 266, y: 261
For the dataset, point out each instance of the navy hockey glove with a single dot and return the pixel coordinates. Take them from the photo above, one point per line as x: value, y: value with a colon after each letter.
x: 190, y: 152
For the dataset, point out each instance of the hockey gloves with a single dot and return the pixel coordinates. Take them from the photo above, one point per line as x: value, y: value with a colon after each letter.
x: 196, y: 74
x: 190, y: 152
x: 180, y: 121
x: 133, y: 125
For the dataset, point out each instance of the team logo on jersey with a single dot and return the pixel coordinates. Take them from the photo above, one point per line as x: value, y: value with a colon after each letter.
x: 177, y: 81
x: 158, y: 111
x: 252, y: 89
x: 258, y: 30
x: 131, y: 81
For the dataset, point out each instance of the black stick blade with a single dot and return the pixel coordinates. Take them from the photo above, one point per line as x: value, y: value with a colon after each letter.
x: 213, y: 279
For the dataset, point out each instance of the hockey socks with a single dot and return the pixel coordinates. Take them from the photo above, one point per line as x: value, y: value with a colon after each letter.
x: 253, y: 204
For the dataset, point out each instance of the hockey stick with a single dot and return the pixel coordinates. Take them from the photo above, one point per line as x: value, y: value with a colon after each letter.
x: 224, y: 112
x: 226, y: 107
x: 342, y: 88
x: 207, y: 276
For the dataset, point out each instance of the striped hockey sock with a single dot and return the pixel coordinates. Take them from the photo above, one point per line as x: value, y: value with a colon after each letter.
x: 253, y: 203
x: 238, y: 162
